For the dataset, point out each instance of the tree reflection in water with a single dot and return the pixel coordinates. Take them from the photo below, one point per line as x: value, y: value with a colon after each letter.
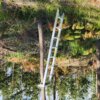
x: 76, y: 88
x: 19, y: 85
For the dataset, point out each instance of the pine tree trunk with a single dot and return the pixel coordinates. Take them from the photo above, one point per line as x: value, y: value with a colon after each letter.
x: 4, y: 4
x: 41, y: 50
x: 41, y: 44
x: 98, y: 70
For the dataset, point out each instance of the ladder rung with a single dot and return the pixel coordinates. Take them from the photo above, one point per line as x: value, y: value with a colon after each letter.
x: 55, y: 37
x: 60, y: 18
x: 58, y: 28
x: 54, y: 47
x: 52, y: 57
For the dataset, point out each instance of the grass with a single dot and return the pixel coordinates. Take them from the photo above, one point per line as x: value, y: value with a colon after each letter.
x: 77, y: 16
x: 3, y: 15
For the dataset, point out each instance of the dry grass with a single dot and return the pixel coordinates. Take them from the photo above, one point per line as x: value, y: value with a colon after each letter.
x: 27, y: 66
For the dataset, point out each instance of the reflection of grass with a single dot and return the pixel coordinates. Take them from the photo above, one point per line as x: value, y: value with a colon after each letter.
x: 28, y: 63
x: 17, y: 55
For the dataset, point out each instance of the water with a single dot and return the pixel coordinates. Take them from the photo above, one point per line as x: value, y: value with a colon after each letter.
x: 18, y: 85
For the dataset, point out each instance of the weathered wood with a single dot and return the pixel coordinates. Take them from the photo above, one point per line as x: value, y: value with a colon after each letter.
x: 54, y: 87
x: 40, y: 31
x: 98, y: 70
x: 41, y: 45
x: 4, y: 4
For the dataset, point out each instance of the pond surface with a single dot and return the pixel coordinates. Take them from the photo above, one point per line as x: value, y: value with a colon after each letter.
x: 18, y: 85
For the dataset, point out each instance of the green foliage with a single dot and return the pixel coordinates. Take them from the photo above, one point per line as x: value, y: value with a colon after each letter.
x: 75, y: 48
x: 15, y: 55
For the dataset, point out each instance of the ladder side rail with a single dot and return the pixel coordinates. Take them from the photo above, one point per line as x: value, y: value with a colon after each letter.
x: 50, y: 49
x: 59, y: 33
